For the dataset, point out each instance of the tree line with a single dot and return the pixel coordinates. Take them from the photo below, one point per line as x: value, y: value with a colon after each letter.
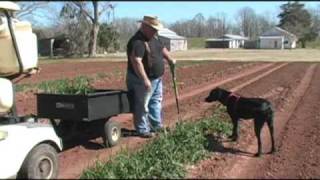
x: 92, y: 27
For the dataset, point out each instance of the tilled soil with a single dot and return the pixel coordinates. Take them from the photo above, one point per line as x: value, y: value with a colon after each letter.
x: 287, y: 90
x: 285, y: 85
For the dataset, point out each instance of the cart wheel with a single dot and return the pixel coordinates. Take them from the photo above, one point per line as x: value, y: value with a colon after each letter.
x: 41, y: 163
x: 112, y: 133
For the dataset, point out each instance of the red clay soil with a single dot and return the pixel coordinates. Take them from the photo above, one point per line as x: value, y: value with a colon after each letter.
x: 297, y: 136
x: 294, y: 93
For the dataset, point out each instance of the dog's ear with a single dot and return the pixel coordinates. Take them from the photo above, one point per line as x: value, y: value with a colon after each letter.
x: 214, y: 95
x: 219, y: 93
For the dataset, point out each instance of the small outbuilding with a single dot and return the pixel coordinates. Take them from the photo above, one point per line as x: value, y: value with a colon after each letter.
x: 172, y: 40
x: 53, y: 46
x: 277, y: 38
x: 226, y: 41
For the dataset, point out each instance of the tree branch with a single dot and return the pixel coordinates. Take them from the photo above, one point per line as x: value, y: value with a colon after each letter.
x: 82, y: 10
x: 106, y: 6
x: 28, y: 8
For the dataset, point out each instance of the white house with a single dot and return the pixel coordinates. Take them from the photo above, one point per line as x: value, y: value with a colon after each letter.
x: 277, y: 38
x: 226, y: 41
x: 172, y: 40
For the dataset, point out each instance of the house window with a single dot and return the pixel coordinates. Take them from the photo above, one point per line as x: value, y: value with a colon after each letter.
x: 286, y: 42
x: 275, y: 44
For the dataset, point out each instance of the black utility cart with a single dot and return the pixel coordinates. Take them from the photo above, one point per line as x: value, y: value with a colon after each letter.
x: 77, y: 115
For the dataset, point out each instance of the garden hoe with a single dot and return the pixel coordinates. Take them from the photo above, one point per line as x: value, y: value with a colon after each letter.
x: 174, y: 80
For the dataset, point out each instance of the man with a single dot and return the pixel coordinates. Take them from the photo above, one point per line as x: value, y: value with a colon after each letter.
x: 144, y: 76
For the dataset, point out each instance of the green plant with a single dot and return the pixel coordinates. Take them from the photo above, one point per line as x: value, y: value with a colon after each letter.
x: 167, y: 155
x: 108, y: 37
x: 24, y: 87
x: 78, y: 85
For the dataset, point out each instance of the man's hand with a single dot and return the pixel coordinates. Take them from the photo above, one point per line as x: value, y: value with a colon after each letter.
x: 139, y: 70
x: 147, y: 84
x: 166, y: 55
x: 172, y: 62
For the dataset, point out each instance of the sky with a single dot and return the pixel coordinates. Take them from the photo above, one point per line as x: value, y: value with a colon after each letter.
x: 170, y: 12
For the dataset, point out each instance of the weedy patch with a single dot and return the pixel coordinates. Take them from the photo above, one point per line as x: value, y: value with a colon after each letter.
x: 167, y: 155
x: 24, y: 87
x: 102, y: 75
x: 78, y: 82
x: 78, y: 85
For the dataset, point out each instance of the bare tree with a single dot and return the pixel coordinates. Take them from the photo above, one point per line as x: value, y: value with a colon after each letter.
x: 262, y: 24
x: 212, y: 26
x: 199, y: 24
x: 29, y: 8
x: 184, y: 28
x: 92, y: 13
x: 35, y: 11
x: 246, y: 18
x: 222, y: 24
x: 126, y: 26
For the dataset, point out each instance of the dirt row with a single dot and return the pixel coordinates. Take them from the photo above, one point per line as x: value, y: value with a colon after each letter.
x: 284, y: 89
x: 87, y: 152
x: 274, y: 81
x: 116, y: 80
x: 188, y: 111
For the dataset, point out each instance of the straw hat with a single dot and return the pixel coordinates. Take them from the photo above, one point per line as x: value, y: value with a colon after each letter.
x: 152, y: 21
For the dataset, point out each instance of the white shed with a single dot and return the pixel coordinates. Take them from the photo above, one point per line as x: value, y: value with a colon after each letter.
x: 277, y: 38
x: 238, y: 41
x: 226, y: 41
x: 271, y: 42
x: 172, y: 40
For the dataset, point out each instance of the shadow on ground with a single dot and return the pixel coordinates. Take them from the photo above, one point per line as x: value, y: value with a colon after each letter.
x: 216, y: 145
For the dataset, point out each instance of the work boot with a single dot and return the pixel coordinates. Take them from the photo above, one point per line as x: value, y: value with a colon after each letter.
x: 159, y: 129
x: 146, y: 135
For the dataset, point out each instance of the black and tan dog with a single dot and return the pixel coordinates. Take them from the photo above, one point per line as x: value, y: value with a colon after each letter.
x: 246, y: 108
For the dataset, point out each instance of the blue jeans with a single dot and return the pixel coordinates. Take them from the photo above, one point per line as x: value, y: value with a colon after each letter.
x: 147, y: 105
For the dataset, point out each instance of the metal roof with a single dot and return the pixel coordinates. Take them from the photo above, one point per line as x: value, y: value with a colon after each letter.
x: 270, y: 37
x: 233, y: 36
x: 167, y: 33
x: 276, y: 31
x: 219, y: 39
x: 228, y: 37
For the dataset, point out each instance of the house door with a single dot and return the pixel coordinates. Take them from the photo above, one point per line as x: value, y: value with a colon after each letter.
x: 276, y: 44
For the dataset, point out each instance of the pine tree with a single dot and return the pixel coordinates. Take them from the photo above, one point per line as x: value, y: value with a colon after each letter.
x: 297, y: 20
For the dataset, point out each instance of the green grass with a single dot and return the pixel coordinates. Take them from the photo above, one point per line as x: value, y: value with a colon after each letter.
x: 314, y: 44
x: 167, y: 155
x: 196, y: 43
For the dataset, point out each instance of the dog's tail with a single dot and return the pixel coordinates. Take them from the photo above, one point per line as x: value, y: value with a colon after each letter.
x: 268, y: 111
x: 270, y: 114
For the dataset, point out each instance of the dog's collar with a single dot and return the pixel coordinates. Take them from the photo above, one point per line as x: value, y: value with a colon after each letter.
x: 233, y: 95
